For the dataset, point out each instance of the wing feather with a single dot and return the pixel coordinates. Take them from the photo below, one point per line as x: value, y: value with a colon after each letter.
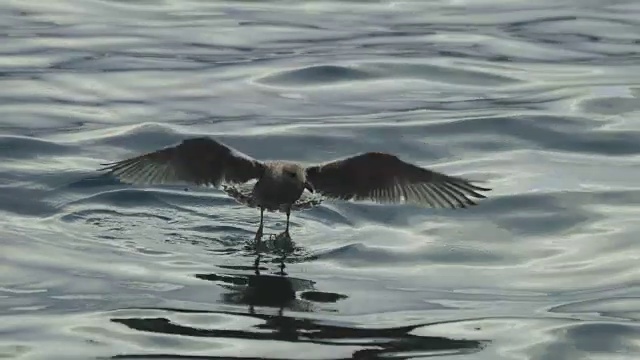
x: 200, y: 161
x: 385, y: 178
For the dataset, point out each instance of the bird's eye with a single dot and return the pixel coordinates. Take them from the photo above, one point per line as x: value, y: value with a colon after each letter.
x: 291, y: 174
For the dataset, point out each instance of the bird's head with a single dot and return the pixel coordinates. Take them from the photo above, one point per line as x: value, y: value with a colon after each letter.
x: 295, y: 174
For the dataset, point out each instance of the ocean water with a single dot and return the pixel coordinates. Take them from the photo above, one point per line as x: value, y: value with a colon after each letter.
x: 541, y: 100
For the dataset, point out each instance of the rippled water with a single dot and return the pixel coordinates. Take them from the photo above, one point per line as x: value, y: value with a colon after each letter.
x: 540, y: 99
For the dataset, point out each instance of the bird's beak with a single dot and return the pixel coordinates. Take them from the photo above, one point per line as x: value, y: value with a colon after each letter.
x: 308, y: 186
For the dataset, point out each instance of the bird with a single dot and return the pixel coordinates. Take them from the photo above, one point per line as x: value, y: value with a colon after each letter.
x: 374, y: 176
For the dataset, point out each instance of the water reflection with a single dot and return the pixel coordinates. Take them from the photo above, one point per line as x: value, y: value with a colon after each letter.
x: 298, y: 296
x: 254, y: 290
x: 272, y: 290
x: 281, y: 245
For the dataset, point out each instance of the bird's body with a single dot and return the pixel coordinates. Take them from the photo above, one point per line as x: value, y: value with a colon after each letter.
x: 281, y: 185
x: 376, y: 176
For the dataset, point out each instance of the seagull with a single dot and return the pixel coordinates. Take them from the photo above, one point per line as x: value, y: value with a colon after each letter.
x: 375, y: 176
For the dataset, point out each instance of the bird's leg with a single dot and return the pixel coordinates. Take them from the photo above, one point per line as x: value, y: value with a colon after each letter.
x: 286, y: 231
x: 256, y: 264
x: 284, y: 243
x: 258, y: 239
x: 282, y: 266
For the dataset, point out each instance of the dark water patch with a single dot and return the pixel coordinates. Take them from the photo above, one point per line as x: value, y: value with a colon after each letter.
x: 124, y: 198
x: 143, y: 137
x: 37, y: 121
x: 226, y: 229
x: 262, y: 290
x: 89, y: 181
x: 362, y: 255
x: 323, y: 297
x: 354, y: 341
x: 519, y: 126
x: 133, y: 62
x: 548, y: 133
x: 166, y: 219
x: 537, y: 214
x: 593, y: 34
x: 218, y: 233
x: 25, y: 202
x: 213, y: 244
x: 611, y: 105
x: 94, y: 215
x: 594, y: 338
x: 318, y: 75
x: 124, y: 214
x: 151, y: 198
x: 431, y: 73
x: 23, y: 147
x: 335, y: 74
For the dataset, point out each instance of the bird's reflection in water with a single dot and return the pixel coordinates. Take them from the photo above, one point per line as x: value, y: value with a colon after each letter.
x: 281, y: 245
x: 273, y: 290
x: 257, y: 290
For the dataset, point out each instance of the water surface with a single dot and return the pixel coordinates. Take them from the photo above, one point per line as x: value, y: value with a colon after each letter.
x: 540, y: 100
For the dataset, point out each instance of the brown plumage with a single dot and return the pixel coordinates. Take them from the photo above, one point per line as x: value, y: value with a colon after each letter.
x: 374, y: 176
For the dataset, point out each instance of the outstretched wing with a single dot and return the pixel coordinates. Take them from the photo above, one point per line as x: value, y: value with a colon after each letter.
x: 200, y: 161
x: 384, y: 178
